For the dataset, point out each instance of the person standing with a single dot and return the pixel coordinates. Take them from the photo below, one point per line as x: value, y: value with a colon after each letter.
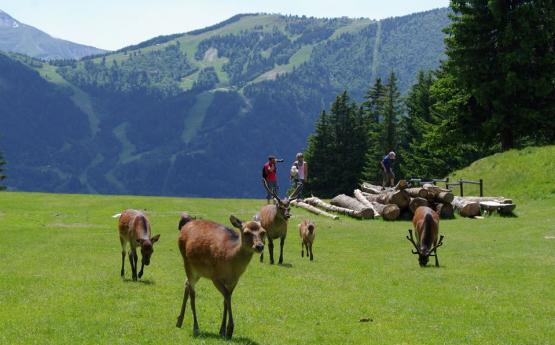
x: 299, y: 172
x: 269, y: 173
x: 387, y: 167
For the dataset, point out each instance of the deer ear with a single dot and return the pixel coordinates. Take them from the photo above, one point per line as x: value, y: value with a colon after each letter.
x: 155, y: 238
x: 236, y: 222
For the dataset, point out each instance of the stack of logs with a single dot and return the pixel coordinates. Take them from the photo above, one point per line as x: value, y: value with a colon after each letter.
x: 371, y: 201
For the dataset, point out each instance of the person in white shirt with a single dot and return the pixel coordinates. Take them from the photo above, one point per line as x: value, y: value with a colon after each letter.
x: 299, y: 172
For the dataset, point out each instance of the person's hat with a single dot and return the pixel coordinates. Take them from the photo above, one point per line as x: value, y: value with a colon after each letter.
x: 270, y: 157
x: 299, y: 155
x: 391, y: 154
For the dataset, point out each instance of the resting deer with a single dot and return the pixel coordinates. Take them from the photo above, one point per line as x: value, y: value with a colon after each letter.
x: 307, y: 231
x: 426, y: 226
x: 134, y: 228
x: 274, y: 219
x: 218, y: 253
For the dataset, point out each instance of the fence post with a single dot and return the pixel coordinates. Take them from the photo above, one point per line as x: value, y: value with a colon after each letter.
x: 481, y: 187
x: 461, y: 186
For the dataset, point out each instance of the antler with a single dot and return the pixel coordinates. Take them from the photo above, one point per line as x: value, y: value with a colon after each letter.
x: 293, y: 195
x: 271, y: 192
x: 411, y: 239
x: 439, y: 244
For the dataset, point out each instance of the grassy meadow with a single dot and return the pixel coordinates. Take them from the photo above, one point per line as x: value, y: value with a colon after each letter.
x: 60, y: 282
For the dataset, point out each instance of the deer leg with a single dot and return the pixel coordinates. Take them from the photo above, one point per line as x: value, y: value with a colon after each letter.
x: 262, y: 256
x: 271, y: 250
x: 194, y: 309
x: 281, y: 243
x: 122, y: 272
x: 302, y: 250
x: 133, y: 263
x: 183, y: 305
x: 224, y: 317
x: 230, y: 324
x: 311, y: 256
x: 142, y: 267
x: 437, y: 260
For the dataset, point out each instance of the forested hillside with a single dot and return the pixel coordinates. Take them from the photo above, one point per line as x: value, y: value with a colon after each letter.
x: 197, y: 114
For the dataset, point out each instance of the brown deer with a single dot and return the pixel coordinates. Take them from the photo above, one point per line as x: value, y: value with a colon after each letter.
x: 307, y: 231
x: 426, y: 227
x: 218, y: 253
x: 134, y: 228
x: 274, y: 219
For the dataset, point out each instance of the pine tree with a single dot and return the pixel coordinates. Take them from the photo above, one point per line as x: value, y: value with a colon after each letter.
x: 391, y: 112
x: 336, y: 150
x: 501, y: 54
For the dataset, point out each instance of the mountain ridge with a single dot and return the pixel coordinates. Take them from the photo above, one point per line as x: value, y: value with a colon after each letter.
x: 197, y: 114
x: 25, y: 39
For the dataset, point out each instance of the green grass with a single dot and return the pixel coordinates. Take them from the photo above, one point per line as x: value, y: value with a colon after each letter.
x: 524, y: 174
x: 60, y: 283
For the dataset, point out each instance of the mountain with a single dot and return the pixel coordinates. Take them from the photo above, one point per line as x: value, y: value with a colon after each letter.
x: 24, y: 39
x: 197, y: 114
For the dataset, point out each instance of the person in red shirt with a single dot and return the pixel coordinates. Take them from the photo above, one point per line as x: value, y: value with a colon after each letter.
x: 270, y: 175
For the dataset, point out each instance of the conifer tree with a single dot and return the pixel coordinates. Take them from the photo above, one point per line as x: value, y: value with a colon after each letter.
x: 501, y: 54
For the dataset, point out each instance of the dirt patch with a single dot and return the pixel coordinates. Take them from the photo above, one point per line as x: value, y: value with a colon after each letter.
x: 211, y: 55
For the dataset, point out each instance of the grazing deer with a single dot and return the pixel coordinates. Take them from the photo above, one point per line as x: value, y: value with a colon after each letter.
x: 307, y: 231
x: 274, y: 219
x: 134, y: 228
x: 218, y: 253
x: 426, y: 226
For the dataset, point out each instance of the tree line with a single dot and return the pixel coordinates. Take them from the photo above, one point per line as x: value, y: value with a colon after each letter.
x: 494, y: 92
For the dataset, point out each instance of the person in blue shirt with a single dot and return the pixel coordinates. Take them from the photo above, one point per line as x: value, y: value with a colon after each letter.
x: 387, y: 167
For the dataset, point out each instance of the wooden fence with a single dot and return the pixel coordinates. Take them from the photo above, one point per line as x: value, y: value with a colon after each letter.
x: 449, y: 185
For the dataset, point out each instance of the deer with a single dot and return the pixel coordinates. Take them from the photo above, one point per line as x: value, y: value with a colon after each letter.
x: 213, y: 251
x: 273, y: 219
x: 307, y: 231
x: 426, y: 227
x: 134, y: 228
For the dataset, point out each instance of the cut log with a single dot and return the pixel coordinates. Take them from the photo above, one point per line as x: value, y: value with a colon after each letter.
x: 402, y: 184
x: 371, y: 188
x: 498, y: 199
x: 416, y: 203
x: 388, y: 212
x: 314, y: 201
x: 494, y: 206
x: 360, y: 197
x: 343, y: 200
x: 466, y: 208
x: 444, y: 197
x: 313, y: 209
x: 418, y: 192
x: 400, y: 198
x: 445, y: 210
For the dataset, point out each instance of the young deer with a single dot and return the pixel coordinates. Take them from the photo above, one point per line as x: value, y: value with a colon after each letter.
x: 307, y: 231
x: 274, y: 219
x: 134, y: 228
x: 426, y: 226
x: 218, y: 253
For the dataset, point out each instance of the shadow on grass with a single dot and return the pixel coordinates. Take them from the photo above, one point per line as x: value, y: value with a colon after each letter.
x: 285, y: 265
x: 140, y: 281
x: 235, y: 340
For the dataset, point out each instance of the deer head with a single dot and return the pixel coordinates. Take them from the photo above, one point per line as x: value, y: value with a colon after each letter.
x: 423, y: 252
x: 282, y: 204
x: 252, y: 234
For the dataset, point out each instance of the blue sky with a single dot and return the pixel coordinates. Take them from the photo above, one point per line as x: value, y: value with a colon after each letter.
x: 113, y: 24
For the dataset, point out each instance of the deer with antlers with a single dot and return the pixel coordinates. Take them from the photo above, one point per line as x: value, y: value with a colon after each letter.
x: 426, y: 227
x: 274, y: 219
x: 218, y: 253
